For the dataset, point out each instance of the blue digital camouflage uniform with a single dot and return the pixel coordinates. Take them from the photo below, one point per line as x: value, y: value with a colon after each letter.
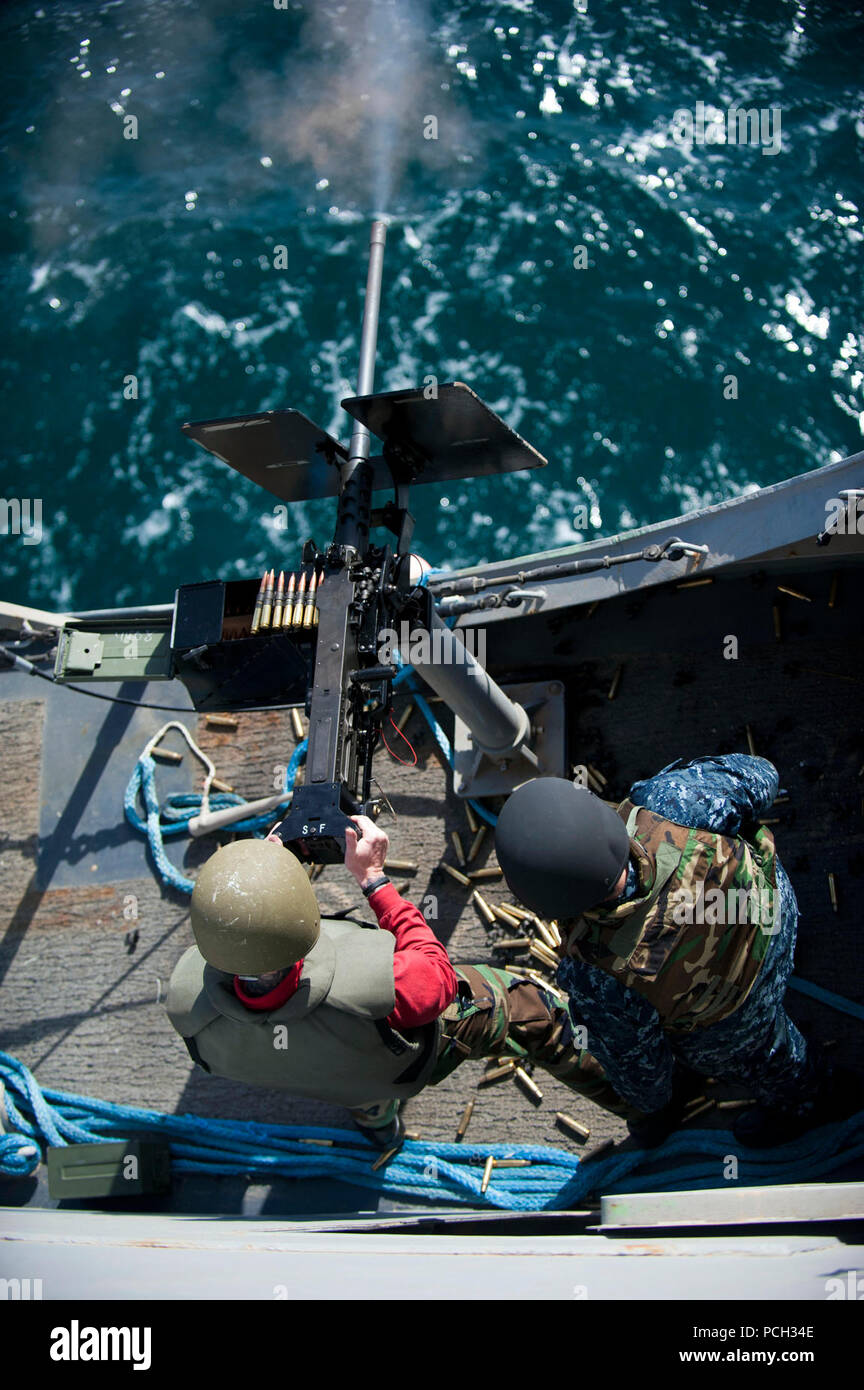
x: 757, y: 1046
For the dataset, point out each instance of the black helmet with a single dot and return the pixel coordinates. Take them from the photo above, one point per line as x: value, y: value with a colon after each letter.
x: 562, y: 849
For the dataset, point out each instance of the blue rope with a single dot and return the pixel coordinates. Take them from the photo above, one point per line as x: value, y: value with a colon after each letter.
x: 173, y: 816
x: 554, y: 1181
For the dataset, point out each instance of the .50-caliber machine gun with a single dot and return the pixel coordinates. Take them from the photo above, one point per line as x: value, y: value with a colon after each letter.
x: 362, y: 589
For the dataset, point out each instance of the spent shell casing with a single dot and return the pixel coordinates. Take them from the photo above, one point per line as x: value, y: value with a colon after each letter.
x: 259, y: 604
x: 218, y: 785
x: 465, y: 1121
x: 545, y: 933
x: 700, y: 1109
x: 497, y: 1073
x: 383, y: 1158
x: 402, y: 888
x: 477, y: 842
x: 482, y: 875
x: 832, y: 595
x: 402, y: 866
x: 405, y: 716
x: 323, y: 1143
x: 487, y: 1173
x: 600, y: 1150
x: 456, y: 842
x: 471, y: 817
x: 832, y: 890
x: 693, y: 583
x: 297, y: 724
x: 596, y: 774
x: 513, y: 1162
x: 512, y: 943
x: 454, y: 873
x: 582, y: 1132
x: 299, y: 602
x: 267, y: 606
x: 166, y: 755
x: 530, y: 1085
x: 519, y: 914
x: 279, y: 599
x: 309, y: 610
x: 412, y: 1134
x: 543, y: 953
x: 793, y: 593
x: 507, y: 918
x: 616, y: 681
x: 222, y: 721
x: 483, y: 908
x: 288, y: 605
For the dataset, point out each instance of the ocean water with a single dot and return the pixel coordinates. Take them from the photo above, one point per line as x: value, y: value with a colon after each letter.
x: 554, y: 242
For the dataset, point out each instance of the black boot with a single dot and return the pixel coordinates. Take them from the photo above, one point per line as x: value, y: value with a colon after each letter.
x: 651, y: 1129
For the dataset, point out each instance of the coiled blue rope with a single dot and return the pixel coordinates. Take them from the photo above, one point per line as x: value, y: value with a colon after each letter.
x: 554, y: 1181
x: 173, y: 816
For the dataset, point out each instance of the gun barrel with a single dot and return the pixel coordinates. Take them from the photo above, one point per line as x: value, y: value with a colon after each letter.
x: 355, y: 485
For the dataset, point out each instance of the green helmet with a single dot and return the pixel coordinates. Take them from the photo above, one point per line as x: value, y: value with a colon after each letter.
x: 253, y: 909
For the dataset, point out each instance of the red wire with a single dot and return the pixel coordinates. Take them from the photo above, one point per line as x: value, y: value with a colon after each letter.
x: 405, y: 740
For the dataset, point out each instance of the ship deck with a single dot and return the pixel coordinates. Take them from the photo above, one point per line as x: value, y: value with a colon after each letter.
x: 83, y: 1008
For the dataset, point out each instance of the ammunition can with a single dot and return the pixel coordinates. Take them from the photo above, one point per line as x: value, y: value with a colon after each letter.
x: 121, y: 1168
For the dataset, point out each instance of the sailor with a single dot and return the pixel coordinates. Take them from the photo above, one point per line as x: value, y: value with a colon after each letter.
x: 275, y: 995
x: 671, y: 979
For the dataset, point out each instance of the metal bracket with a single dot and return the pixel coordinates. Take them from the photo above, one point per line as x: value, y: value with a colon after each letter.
x: 476, y: 774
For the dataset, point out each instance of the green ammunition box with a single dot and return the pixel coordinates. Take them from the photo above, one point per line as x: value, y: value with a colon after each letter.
x: 121, y: 1168
x: 113, y: 655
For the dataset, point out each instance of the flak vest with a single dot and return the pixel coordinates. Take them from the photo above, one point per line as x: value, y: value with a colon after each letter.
x: 330, y: 1040
x: 693, y: 937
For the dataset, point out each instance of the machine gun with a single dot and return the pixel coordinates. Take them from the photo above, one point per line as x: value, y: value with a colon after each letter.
x: 228, y: 661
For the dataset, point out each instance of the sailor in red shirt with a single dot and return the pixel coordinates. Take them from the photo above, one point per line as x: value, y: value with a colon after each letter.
x: 336, y: 1011
x: 425, y: 980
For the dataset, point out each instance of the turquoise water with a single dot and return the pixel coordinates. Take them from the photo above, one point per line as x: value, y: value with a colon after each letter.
x: 153, y: 258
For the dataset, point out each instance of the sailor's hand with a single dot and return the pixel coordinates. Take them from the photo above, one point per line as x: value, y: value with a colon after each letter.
x: 364, y: 857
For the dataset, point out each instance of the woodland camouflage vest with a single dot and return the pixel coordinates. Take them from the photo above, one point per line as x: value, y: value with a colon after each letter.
x: 693, y: 937
x: 330, y: 1040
